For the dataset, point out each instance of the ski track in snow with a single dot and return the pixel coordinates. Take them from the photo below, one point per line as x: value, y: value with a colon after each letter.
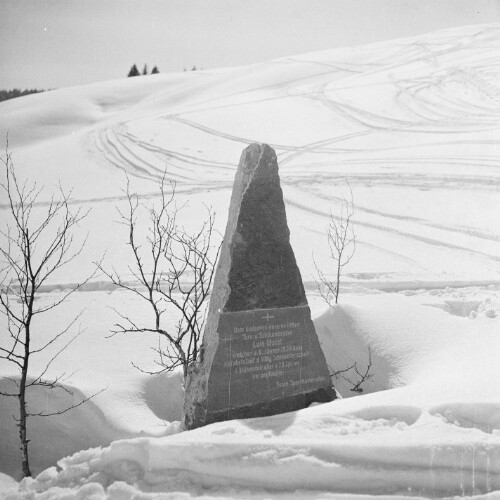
x: 422, y: 111
x: 406, y: 234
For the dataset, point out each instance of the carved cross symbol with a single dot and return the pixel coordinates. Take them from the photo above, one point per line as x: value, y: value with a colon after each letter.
x: 267, y: 317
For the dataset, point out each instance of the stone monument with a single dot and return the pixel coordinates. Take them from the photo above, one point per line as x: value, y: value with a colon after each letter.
x: 260, y: 354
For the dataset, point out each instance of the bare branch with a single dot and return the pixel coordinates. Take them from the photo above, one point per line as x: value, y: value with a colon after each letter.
x: 342, y: 245
x: 359, y: 378
x: 37, y: 242
x: 68, y: 408
x: 172, y: 268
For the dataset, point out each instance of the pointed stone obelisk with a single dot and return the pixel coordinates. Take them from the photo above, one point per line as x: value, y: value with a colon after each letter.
x: 260, y: 354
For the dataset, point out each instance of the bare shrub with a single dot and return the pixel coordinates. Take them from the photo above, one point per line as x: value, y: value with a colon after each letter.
x: 32, y: 248
x: 171, y: 268
x: 342, y: 245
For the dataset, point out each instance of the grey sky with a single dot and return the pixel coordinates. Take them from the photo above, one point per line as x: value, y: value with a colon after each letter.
x: 55, y: 43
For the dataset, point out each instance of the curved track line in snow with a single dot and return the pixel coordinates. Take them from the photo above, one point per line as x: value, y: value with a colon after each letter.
x: 123, y: 150
x: 425, y: 98
x: 399, y: 232
x: 185, y: 158
x: 359, y: 242
x: 408, y: 218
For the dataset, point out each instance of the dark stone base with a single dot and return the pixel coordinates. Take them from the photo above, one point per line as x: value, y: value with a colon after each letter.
x: 274, y: 407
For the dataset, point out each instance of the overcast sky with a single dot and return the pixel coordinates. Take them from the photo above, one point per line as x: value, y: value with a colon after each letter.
x: 56, y: 43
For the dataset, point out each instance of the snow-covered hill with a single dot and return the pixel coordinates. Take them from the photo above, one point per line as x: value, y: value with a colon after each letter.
x: 412, y: 125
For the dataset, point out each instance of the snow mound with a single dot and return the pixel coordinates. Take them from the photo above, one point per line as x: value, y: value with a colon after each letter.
x: 56, y: 436
x: 435, y: 435
x: 362, y: 449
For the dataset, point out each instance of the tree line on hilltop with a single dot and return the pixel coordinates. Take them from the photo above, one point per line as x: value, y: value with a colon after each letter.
x: 135, y: 72
x: 6, y: 94
x: 10, y: 94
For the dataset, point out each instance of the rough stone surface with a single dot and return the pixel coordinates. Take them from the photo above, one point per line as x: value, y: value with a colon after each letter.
x: 260, y: 353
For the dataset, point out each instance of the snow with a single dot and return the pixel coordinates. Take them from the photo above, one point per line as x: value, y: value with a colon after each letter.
x: 412, y: 124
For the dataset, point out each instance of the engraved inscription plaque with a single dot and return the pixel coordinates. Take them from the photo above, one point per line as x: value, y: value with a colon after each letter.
x: 264, y: 355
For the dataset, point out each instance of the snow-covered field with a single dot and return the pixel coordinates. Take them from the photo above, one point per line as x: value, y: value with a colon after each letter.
x: 413, y: 125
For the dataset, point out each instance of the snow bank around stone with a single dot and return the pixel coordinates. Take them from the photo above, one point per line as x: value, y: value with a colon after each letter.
x: 350, y: 446
x: 435, y: 433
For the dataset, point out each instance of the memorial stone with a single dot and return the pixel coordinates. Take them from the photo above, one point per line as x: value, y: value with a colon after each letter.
x: 260, y: 354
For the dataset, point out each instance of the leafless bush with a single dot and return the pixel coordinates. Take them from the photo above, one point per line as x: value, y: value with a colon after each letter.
x: 171, y: 268
x: 342, y: 245
x: 32, y: 248
x: 354, y: 376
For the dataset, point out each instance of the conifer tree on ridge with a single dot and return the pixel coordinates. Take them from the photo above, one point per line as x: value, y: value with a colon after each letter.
x: 133, y: 71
